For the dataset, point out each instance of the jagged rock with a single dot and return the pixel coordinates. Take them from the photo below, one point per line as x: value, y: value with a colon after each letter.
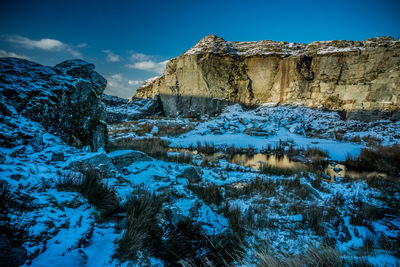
x: 350, y: 76
x: 37, y: 143
x: 124, y: 158
x: 191, y: 174
x: 120, y: 109
x: 57, y: 156
x: 65, y: 99
x: 99, y: 161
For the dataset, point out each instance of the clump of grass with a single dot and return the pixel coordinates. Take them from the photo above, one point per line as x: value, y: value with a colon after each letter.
x: 184, y: 241
x: 265, y: 187
x: 235, y: 219
x: 356, y: 139
x: 205, y: 148
x: 321, y: 256
x: 88, y: 183
x: 381, y: 158
x: 210, y: 194
x: 276, y: 170
x: 364, y: 213
x: 143, y: 232
x: 181, y: 157
x: 313, y: 152
x: 371, y: 140
x: 232, y: 150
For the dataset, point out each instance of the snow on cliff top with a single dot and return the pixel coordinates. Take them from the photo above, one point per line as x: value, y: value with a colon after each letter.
x: 217, y: 45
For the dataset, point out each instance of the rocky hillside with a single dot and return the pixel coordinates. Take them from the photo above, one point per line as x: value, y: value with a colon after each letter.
x: 353, y: 76
x: 121, y: 109
x: 65, y: 100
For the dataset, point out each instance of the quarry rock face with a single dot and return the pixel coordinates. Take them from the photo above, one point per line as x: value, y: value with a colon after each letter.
x: 65, y: 99
x: 357, y: 77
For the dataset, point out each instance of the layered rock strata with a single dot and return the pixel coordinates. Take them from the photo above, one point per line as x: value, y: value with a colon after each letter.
x: 357, y: 77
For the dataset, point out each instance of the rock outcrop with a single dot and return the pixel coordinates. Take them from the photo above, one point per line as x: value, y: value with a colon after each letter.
x: 353, y: 76
x: 65, y: 99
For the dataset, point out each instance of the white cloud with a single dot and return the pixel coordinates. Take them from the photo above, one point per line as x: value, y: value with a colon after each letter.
x: 135, y: 82
x: 145, y: 62
x: 139, y: 57
x: 111, y: 57
x: 4, y: 53
x: 117, y: 76
x: 121, y: 86
x: 43, y: 44
x: 149, y: 65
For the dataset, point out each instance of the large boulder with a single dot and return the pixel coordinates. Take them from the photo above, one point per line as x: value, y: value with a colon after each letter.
x: 99, y: 161
x: 352, y: 76
x: 65, y: 99
x: 191, y: 174
x: 124, y: 158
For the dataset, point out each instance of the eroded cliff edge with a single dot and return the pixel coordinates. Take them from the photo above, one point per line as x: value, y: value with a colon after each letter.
x: 358, y: 77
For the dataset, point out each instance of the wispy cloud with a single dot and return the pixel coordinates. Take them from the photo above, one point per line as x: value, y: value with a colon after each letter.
x: 139, y: 57
x: 135, y: 82
x: 111, y: 57
x: 118, y: 84
x: 4, y: 53
x: 43, y: 44
x: 145, y: 62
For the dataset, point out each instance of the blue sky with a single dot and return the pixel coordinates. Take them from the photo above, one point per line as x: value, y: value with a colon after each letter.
x: 130, y: 41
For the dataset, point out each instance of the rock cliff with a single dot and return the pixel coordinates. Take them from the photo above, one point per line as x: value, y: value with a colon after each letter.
x: 65, y: 100
x: 353, y: 76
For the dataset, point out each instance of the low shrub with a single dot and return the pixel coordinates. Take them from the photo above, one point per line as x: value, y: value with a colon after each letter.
x: 143, y: 232
x: 210, y: 194
x: 89, y: 183
x: 379, y: 159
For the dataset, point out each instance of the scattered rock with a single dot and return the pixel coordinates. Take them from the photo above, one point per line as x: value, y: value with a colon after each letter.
x: 191, y: 174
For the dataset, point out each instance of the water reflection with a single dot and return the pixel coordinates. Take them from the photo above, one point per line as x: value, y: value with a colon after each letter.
x: 257, y: 160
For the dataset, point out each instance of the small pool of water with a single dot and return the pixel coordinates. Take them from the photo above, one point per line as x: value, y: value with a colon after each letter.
x: 257, y: 160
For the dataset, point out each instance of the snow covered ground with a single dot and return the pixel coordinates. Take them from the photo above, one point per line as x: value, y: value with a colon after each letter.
x: 289, y: 213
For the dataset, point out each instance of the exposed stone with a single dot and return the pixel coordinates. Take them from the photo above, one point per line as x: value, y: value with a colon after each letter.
x: 64, y: 99
x: 37, y: 143
x: 99, y: 161
x: 191, y: 174
x: 125, y: 158
x: 57, y: 156
x: 351, y: 76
